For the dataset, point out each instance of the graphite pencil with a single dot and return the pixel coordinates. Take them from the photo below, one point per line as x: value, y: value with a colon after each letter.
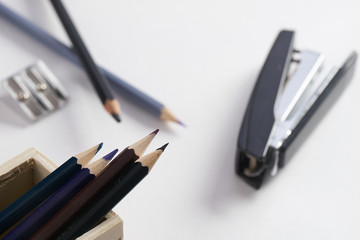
x: 97, y: 78
x: 41, y: 191
x: 95, y: 210
x: 126, y: 90
x: 124, y: 159
x: 26, y: 228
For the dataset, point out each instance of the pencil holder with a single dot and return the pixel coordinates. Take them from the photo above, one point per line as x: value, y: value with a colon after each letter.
x: 28, y: 168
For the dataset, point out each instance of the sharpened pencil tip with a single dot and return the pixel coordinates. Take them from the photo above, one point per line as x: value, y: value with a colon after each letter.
x: 163, y: 147
x: 181, y: 123
x: 110, y: 156
x: 99, y: 147
x: 116, y: 117
x: 155, y: 132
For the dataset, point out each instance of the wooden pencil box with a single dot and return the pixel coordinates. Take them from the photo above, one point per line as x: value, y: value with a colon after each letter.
x: 28, y: 168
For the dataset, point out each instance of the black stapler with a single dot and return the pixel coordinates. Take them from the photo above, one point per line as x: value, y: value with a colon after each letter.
x: 289, y: 90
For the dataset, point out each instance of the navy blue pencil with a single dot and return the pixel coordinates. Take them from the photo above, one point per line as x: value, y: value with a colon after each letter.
x: 41, y: 191
x: 126, y: 90
x: 108, y: 197
x: 26, y: 228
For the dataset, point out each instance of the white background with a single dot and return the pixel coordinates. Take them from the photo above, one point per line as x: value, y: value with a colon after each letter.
x: 201, y: 58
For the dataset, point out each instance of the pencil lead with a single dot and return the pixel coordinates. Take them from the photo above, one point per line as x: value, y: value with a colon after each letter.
x: 163, y: 147
x: 116, y: 117
x: 150, y: 159
x: 181, y: 123
x: 99, y: 147
x: 97, y: 166
x: 155, y: 132
x: 141, y: 145
x: 84, y: 158
x: 110, y: 156
x: 166, y: 115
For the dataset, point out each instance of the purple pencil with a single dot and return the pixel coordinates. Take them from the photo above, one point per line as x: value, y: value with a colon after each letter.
x: 32, y: 223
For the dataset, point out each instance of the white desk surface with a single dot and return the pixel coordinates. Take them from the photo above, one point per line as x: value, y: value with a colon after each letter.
x: 201, y: 58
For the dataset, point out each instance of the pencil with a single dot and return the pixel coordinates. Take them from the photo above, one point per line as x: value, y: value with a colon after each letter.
x: 97, y: 78
x: 41, y: 191
x: 26, y: 228
x: 126, y: 90
x: 120, y: 162
x: 95, y: 210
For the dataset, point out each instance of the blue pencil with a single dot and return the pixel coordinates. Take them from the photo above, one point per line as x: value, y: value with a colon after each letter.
x: 125, y: 89
x: 108, y: 197
x: 41, y: 191
x: 33, y: 222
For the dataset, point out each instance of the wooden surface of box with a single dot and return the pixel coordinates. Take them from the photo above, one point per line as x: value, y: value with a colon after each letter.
x: 25, y: 170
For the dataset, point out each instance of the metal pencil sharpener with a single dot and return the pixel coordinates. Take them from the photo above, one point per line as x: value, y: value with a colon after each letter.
x: 36, y: 91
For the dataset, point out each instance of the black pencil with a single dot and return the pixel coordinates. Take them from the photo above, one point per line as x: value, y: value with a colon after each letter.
x: 42, y: 190
x: 106, y: 199
x: 96, y: 76
x: 122, y: 161
x: 27, y: 227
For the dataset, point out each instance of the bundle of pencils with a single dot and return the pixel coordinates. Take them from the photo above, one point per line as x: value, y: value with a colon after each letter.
x: 77, y: 195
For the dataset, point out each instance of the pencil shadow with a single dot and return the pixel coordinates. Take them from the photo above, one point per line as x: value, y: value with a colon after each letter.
x: 143, y: 117
x: 226, y: 187
x: 73, y: 75
x: 30, y: 45
x: 134, y: 111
